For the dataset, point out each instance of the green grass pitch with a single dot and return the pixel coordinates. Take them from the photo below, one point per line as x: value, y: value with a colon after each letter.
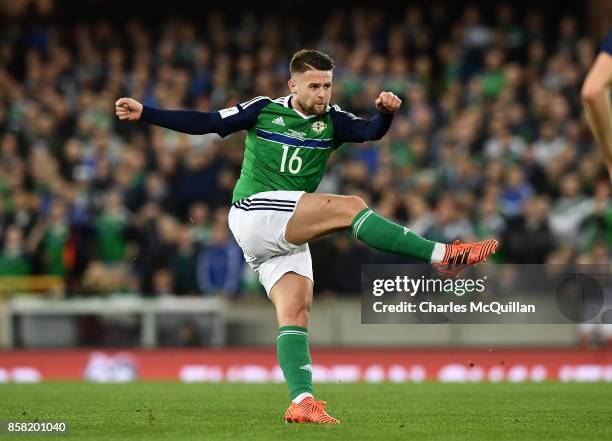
x: 428, y: 411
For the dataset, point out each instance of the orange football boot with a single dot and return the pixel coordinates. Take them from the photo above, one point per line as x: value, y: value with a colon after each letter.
x: 309, y: 411
x: 458, y: 255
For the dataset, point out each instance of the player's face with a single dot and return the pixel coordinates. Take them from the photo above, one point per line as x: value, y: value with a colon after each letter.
x: 312, y: 90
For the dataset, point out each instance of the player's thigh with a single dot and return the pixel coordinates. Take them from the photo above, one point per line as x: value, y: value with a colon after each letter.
x: 292, y: 298
x: 318, y: 214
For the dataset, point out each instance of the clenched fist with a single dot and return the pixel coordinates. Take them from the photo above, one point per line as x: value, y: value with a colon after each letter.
x: 128, y: 108
x: 387, y: 102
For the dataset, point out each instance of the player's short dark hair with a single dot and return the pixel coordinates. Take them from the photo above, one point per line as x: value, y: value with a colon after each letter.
x: 307, y: 59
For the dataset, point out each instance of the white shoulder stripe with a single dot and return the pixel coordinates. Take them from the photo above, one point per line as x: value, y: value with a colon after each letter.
x: 337, y: 108
x: 246, y: 103
x: 283, y: 100
x: 253, y: 101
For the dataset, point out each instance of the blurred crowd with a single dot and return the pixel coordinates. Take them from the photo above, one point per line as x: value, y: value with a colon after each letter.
x: 491, y: 141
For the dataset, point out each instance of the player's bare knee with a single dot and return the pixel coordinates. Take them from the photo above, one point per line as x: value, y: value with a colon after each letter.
x: 352, y: 206
x: 297, y: 315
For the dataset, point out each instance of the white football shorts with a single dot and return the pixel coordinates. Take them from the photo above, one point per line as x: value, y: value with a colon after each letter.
x: 258, y: 224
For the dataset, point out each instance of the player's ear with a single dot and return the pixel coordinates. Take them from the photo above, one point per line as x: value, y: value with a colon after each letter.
x: 292, y: 85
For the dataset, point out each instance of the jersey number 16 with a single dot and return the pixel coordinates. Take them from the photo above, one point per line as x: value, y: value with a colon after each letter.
x: 295, y: 162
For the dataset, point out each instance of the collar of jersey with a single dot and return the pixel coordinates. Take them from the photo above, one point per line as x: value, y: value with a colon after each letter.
x: 287, y: 103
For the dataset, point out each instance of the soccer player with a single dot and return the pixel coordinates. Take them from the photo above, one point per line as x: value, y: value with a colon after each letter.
x: 275, y: 212
x: 596, y: 100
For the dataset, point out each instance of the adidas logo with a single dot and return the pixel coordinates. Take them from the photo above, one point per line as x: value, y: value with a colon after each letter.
x: 306, y: 367
x: 406, y: 231
x: 279, y: 121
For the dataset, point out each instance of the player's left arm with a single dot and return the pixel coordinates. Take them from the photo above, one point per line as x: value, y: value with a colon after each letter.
x: 349, y: 128
x: 596, y: 99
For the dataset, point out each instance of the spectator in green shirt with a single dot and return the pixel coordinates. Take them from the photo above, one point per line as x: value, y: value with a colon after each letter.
x: 53, y: 232
x: 13, y: 258
x: 111, y: 228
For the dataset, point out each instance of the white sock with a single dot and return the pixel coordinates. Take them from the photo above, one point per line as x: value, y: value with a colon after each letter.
x: 300, y: 397
x: 438, y: 252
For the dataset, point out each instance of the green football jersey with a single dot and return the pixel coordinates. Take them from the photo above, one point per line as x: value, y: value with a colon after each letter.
x: 284, y: 151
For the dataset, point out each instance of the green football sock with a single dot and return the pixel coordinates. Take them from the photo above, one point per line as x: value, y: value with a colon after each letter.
x: 294, y: 359
x: 385, y: 235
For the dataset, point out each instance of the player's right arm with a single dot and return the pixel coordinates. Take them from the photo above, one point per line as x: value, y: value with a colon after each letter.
x: 349, y: 128
x: 225, y: 121
x: 596, y: 99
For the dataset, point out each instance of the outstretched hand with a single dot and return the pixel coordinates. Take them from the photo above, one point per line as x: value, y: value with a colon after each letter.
x: 128, y: 109
x: 388, y: 102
